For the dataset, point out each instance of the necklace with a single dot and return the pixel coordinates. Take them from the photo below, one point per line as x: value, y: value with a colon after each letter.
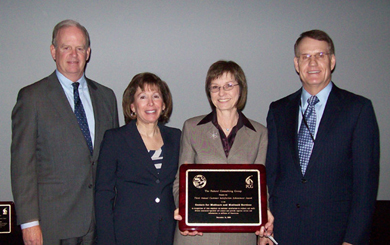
x: 232, y: 124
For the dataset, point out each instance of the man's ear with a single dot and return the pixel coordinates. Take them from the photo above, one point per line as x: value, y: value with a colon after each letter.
x: 296, y: 64
x: 88, y: 53
x: 53, y: 52
x: 332, y: 62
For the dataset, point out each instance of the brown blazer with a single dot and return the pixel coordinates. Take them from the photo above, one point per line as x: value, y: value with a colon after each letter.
x: 202, y: 144
x: 52, y: 171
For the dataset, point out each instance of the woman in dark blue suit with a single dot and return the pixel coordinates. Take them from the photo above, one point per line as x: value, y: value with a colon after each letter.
x: 137, y: 167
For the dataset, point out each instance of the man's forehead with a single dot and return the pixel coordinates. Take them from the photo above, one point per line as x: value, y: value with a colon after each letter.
x: 310, y: 44
x: 70, y: 32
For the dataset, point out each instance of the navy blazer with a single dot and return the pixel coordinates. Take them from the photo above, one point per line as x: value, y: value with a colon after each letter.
x: 134, y: 204
x: 334, y: 201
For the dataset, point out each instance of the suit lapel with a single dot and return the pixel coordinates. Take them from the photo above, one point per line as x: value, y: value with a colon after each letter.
x: 243, y: 140
x: 138, y: 149
x: 332, y: 111
x: 291, y: 126
x: 97, y: 113
x: 212, y: 132
x: 168, y: 152
x: 59, y: 101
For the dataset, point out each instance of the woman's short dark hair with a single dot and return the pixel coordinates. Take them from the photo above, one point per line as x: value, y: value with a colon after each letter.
x: 316, y: 35
x: 143, y: 80
x: 218, y: 69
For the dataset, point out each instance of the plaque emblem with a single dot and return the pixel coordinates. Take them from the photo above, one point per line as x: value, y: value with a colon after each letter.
x: 199, y: 181
x: 249, y: 182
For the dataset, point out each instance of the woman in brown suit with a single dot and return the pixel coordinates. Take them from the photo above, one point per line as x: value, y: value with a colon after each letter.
x: 223, y: 136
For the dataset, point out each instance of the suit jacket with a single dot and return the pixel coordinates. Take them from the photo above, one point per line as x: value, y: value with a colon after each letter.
x: 134, y: 204
x: 334, y: 201
x: 52, y: 171
x: 202, y: 144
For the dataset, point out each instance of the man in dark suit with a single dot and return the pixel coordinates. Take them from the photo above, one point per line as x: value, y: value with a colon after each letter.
x: 323, y: 155
x: 57, y: 127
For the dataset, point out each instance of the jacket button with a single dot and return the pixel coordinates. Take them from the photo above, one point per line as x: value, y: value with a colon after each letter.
x: 297, y: 205
x: 304, y: 181
x: 90, y: 186
x: 157, y: 181
x: 157, y: 200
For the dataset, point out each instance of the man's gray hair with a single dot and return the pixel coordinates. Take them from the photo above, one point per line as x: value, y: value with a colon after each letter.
x: 69, y: 23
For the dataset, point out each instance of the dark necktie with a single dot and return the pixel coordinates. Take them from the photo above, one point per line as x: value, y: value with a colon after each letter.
x: 81, y: 117
x: 306, y: 133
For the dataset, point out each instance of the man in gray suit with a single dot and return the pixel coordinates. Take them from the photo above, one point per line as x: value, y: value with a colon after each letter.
x: 57, y: 127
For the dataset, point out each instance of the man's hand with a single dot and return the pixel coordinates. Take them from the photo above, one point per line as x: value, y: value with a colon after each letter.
x: 266, y: 230
x: 32, y: 235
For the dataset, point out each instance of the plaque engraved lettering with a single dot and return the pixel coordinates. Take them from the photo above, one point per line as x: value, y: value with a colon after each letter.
x: 222, y: 197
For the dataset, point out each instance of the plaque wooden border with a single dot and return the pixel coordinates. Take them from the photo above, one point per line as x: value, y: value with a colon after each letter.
x: 184, y: 224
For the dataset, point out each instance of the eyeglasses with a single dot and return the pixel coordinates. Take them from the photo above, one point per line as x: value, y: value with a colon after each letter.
x: 317, y: 56
x: 226, y: 87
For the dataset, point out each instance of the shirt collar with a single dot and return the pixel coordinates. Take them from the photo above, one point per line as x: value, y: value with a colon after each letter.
x: 242, y: 120
x: 322, y: 95
x: 65, y: 82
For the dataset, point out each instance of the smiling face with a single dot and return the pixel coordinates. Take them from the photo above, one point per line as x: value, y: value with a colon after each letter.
x: 225, y: 100
x: 71, y: 53
x: 315, y: 73
x: 147, y: 105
